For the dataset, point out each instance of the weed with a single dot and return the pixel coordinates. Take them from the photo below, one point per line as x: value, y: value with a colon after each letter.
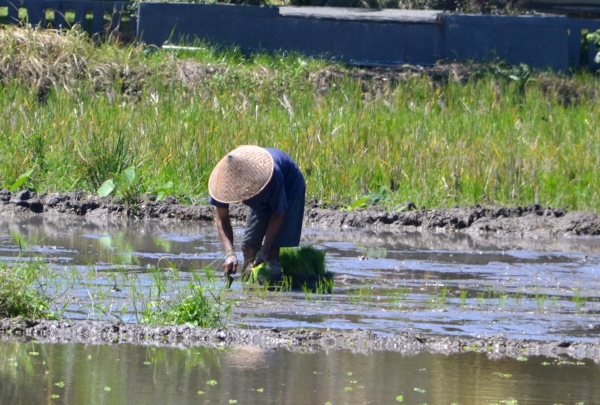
x: 195, y: 306
x: 125, y: 184
x: 110, y: 106
x: 24, y: 291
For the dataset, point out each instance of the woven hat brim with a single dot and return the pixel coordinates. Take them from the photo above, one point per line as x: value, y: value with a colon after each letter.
x: 241, y: 174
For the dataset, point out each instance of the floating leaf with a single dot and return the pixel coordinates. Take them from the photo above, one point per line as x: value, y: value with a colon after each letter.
x: 211, y: 382
x: 200, y: 392
x: 106, y: 389
x: 400, y: 398
x: 261, y: 390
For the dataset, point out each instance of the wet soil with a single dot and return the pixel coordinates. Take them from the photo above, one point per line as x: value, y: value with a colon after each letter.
x: 358, y: 341
x: 532, y: 221
x: 527, y: 223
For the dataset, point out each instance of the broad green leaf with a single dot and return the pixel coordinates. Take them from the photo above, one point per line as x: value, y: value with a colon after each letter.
x: 106, y: 188
x: 19, y: 182
x: 128, y: 175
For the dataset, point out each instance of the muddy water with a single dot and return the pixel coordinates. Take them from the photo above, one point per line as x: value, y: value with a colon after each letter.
x: 32, y: 373
x: 446, y: 284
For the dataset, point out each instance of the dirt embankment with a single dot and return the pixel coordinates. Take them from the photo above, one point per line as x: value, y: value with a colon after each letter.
x: 359, y: 341
x: 532, y: 221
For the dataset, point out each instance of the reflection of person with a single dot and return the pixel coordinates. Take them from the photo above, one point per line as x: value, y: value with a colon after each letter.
x: 269, y: 182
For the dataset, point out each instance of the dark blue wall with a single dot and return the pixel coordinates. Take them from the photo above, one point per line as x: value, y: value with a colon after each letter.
x: 368, y: 37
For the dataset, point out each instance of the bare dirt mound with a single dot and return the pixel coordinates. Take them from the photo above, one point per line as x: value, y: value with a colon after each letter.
x: 533, y: 221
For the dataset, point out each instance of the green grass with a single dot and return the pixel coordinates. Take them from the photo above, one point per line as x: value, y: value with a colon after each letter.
x: 305, y: 260
x: 493, y: 140
x: 23, y: 293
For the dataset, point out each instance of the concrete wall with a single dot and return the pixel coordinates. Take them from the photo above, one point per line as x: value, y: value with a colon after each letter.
x: 371, y: 36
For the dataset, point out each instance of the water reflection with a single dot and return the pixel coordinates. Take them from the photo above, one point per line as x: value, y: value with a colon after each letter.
x: 33, y: 373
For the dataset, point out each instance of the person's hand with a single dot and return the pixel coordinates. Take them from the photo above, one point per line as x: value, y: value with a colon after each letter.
x: 230, y: 264
x: 261, y: 257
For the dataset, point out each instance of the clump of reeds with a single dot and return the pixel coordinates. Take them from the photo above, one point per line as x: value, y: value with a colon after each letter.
x: 19, y: 295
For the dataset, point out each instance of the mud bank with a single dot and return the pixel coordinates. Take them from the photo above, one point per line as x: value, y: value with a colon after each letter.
x: 533, y: 221
x: 359, y: 341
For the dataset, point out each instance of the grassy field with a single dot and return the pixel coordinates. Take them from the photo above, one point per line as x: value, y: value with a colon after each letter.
x: 76, y: 113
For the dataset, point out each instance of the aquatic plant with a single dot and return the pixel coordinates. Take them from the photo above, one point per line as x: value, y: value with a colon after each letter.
x: 197, y: 303
x: 23, y: 291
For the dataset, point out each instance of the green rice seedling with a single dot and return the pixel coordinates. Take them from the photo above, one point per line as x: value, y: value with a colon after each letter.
x: 439, y: 299
x: 578, y: 299
x: 463, y: 297
x: 196, y: 306
x: 397, y: 295
x: 305, y: 260
x: 259, y: 274
x: 324, y: 286
x: 540, y: 300
x: 308, y: 292
x: 502, y: 300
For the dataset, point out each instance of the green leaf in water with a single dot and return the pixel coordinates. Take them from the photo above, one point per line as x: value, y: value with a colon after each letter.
x: 107, y: 389
x: 54, y: 396
x: 60, y: 384
x: 350, y: 373
x: 233, y: 401
x: 521, y: 358
x: 211, y: 382
x: 348, y: 389
x: 260, y: 390
x: 200, y: 392
x: 34, y: 354
x: 421, y: 390
x: 400, y: 398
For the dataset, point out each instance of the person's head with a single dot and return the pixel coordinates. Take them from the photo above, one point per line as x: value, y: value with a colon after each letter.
x: 241, y: 174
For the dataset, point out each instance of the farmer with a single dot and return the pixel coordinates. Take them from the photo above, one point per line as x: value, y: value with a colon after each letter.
x: 269, y: 182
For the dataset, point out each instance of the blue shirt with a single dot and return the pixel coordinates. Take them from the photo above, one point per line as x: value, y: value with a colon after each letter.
x: 286, y: 184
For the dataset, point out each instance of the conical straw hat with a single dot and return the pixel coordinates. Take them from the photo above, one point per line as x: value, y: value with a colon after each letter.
x: 240, y: 175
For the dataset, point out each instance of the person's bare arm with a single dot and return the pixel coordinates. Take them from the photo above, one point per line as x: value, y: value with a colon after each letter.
x: 225, y: 231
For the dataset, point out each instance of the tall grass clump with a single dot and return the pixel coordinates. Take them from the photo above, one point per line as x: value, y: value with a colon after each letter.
x: 22, y: 292
x: 458, y: 135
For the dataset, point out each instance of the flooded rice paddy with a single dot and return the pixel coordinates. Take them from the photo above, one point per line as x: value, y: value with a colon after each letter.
x: 33, y: 373
x: 441, y: 284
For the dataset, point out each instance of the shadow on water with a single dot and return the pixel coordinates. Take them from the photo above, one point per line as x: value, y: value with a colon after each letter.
x: 450, y: 283
x: 32, y: 373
